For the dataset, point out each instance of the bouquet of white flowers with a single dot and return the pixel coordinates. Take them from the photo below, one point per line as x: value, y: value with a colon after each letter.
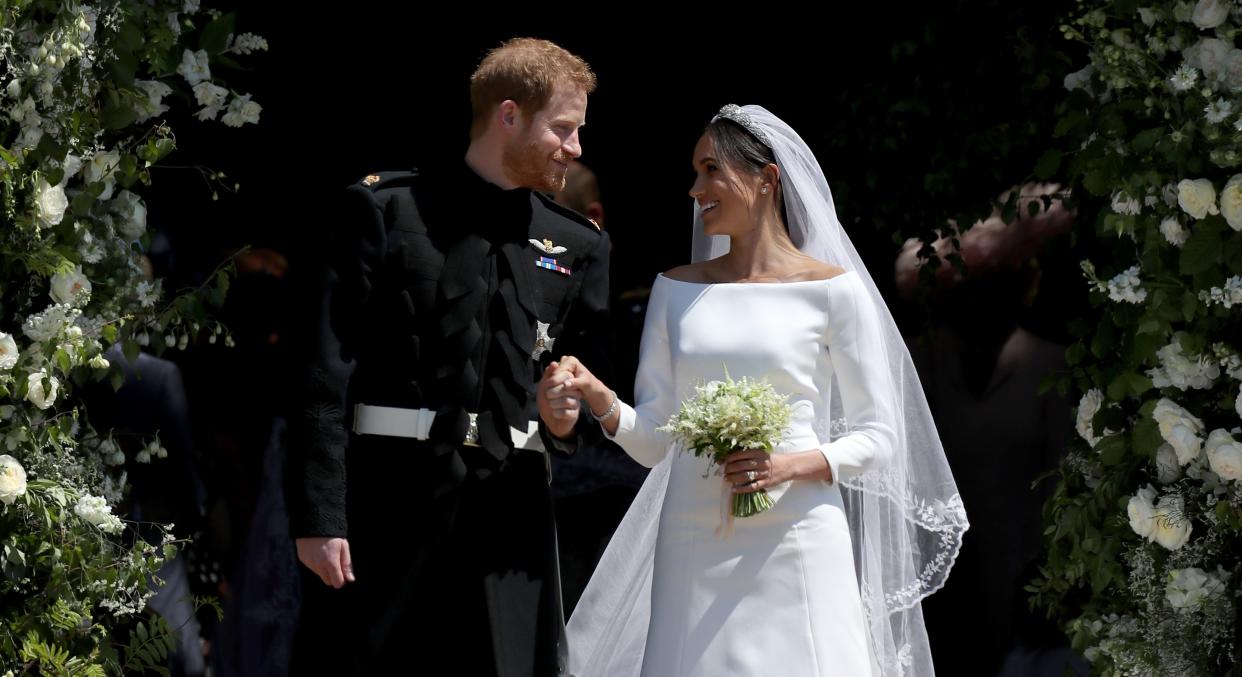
x: 728, y: 416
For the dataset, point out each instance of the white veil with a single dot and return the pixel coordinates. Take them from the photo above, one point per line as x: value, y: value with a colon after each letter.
x: 906, y: 518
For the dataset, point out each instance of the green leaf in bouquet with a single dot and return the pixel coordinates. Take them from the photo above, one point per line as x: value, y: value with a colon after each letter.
x: 1146, y: 140
x: 1067, y: 122
x: 1146, y: 438
x: 215, y: 35
x: 1048, y: 164
x: 1098, y: 182
x: 1201, y: 251
x: 1112, y: 449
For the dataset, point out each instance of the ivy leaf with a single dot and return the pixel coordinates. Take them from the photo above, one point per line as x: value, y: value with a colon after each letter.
x: 1048, y: 164
x: 1200, y: 252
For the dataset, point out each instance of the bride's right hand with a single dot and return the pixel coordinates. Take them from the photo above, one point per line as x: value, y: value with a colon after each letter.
x: 592, y: 391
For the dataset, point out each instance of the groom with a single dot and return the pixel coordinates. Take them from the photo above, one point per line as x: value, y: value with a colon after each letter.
x: 419, y: 470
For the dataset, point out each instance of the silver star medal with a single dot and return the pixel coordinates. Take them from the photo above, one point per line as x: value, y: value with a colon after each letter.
x: 543, y: 342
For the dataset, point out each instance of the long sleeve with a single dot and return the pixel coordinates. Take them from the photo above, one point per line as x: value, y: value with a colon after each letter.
x: 856, y: 352
x: 318, y: 434
x: 654, y: 398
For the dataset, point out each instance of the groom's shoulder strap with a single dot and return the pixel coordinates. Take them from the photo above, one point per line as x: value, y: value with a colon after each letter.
x: 382, y: 180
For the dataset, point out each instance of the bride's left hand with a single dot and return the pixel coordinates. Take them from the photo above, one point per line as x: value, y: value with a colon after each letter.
x: 769, y: 470
x: 773, y: 469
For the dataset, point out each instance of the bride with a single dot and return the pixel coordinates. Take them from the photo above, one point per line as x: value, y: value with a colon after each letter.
x: 867, y: 519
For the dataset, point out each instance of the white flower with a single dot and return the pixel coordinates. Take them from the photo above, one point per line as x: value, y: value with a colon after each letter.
x: 102, y: 167
x: 1168, y: 469
x: 1231, y: 202
x: 1125, y: 204
x: 190, y: 6
x: 1126, y: 287
x: 194, y: 66
x: 1237, y: 403
x: 174, y: 22
x: 41, y: 389
x: 1227, y: 296
x: 1170, y: 527
x: 1142, y: 512
x: 1224, y: 455
x: 1187, y: 588
x: 95, y: 510
x: 111, y: 452
x: 153, y: 106
x: 143, y: 456
x: 67, y: 286
x: 155, y: 450
x: 148, y: 293
x: 133, y: 215
x: 1231, y: 70
x: 241, y: 111
x: 1208, y: 55
x: 100, y: 362
x: 8, y: 351
x: 1088, y: 407
x: 71, y: 166
x: 1197, y: 197
x: 12, y: 479
x: 1210, y: 13
x: 210, y: 95
x: 1148, y: 16
x: 1181, y: 371
x: 1218, y: 111
x: 1179, y: 428
x: 1172, y: 231
x: 1080, y: 78
x: 247, y: 43
x: 50, y: 203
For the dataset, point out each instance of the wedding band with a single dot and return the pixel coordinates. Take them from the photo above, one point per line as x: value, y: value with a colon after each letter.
x: 751, y: 475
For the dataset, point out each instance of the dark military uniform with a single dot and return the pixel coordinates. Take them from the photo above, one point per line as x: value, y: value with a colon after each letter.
x: 436, y: 297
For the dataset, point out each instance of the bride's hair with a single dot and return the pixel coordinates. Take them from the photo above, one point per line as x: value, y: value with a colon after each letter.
x: 743, y: 152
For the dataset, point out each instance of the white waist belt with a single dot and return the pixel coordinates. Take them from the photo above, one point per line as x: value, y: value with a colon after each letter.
x: 416, y: 424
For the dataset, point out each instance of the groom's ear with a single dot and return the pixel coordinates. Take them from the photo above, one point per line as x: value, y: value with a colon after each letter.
x: 509, y: 116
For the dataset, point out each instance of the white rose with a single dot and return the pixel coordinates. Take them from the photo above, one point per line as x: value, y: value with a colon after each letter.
x: 50, y: 203
x: 1187, y: 588
x: 1168, y: 467
x: 102, y: 167
x: 209, y: 95
x: 133, y: 215
x: 1231, y: 202
x: 1210, y: 13
x: 194, y: 67
x: 67, y: 286
x: 1197, y: 198
x: 1179, y: 428
x: 1141, y: 512
x: 8, y: 351
x: 41, y: 389
x: 1231, y: 70
x: 1079, y: 78
x: 12, y: 479
x: 1224, y: 455
x: 1170, y: 527
x: 1208, y: 55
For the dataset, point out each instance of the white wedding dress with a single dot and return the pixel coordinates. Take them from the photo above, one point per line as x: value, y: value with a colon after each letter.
x: 780, y: 596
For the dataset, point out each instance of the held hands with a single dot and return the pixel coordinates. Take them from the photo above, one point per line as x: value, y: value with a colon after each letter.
x: 567, y: 386
x: 329, y: 558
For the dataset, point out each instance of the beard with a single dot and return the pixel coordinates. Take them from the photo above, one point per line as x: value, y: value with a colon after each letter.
x: 528, y: 166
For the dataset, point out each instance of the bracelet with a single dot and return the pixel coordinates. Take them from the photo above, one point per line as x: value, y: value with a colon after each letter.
x: 607, y: 412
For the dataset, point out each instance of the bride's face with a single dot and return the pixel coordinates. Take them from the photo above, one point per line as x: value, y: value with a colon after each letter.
x: 725, y: 196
